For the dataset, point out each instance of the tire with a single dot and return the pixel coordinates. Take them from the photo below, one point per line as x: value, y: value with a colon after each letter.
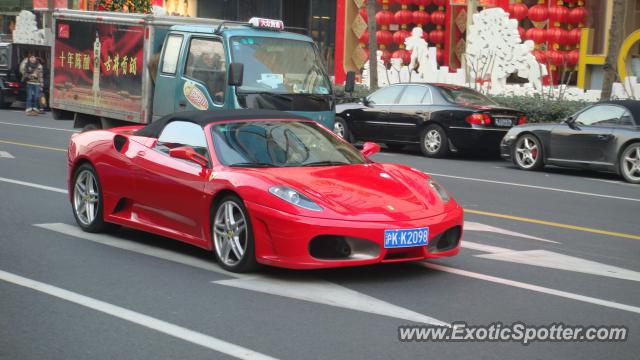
x: 629, y: 163
x: 341, y: 129
x: 227, y: 234
x: 87, y: 201
x: 527, y: 153
x: 434, y: 141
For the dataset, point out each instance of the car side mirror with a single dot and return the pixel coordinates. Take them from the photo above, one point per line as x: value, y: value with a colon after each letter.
x: 369, y: 148
x: 187, y: 153
x: 350, y: 84
x: 365, y: 101
x: 236, y: 74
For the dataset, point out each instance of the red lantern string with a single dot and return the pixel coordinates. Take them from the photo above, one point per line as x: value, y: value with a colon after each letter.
x: 422, y: 4
x: 518, y: 11
x: 384, y: 18
x: 403, y: 17
x: 399, y: 37
x: 421, y: 17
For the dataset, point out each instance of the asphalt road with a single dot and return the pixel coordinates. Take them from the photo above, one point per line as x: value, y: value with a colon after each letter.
x: 558, y: 246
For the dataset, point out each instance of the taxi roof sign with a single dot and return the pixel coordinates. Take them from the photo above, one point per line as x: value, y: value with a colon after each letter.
x: 267, y: 23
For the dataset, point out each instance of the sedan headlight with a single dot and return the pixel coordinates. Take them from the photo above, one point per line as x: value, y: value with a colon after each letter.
x: 444, y: 196
x: 294, y: 197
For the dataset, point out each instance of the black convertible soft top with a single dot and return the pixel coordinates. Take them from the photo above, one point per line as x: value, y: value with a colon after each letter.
x: 204, y: 118
x: 632, y: 105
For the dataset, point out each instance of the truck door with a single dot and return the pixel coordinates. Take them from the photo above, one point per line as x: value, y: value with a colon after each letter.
x: 203, y: 81
x: 164, y: 100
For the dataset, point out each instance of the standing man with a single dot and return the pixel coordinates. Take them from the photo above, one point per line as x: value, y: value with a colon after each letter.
x: 33, y: 76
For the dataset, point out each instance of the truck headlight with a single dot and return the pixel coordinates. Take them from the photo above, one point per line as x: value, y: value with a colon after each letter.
x: 294, y: 197
x: 442, y: 193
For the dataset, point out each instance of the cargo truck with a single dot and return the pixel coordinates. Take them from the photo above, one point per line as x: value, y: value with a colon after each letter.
x: 111, y: 69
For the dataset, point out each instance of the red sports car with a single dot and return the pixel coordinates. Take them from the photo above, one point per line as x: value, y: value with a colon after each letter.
x: 260, y: 187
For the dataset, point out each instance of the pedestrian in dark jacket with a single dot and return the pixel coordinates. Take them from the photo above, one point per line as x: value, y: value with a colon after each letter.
x: 32, y: 74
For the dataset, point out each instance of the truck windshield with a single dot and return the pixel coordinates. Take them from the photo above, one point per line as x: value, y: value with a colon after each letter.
x: 276, y: 65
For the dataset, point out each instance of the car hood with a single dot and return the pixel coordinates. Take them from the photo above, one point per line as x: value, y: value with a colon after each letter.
x: 371, y: 192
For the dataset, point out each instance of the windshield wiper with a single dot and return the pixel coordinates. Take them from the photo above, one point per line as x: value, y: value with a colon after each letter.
x: 326, y: 163
x: 252, y: 164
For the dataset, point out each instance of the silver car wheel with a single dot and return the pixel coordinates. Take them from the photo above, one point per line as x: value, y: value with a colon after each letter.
x: 432, y: 141
x: 631, y: 162
x: 230, y: 233
x: 527, y: 152
x: 85, y: 197
x: 338, y: 129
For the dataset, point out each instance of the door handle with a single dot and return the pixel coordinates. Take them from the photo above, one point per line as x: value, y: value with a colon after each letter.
x: 604, y: 137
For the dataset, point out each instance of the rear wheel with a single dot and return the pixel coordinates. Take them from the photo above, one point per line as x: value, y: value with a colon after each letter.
x: 233, y: 235
x: 341, y: 129
x: 434, y: 141
x: 87, y: 200
x: 527, y: 153
x: 630, y: 163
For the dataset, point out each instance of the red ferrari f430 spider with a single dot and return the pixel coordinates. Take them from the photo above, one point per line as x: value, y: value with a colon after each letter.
x: 260, y: 187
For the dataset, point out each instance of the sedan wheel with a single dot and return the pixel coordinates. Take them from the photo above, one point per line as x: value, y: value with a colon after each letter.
x: 87, y: 200
x: 232, y: 236
x: 434, y: 141
x: 527, y: 153
x: 341, y: 129
x: 630, y: 163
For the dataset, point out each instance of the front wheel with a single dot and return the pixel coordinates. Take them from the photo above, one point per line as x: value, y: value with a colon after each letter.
x: 233, y: 236
x: 527, y: 153
x: 87, y: 200
x: 630, y: 163
x: 434, y: 141
x: 341, y: 129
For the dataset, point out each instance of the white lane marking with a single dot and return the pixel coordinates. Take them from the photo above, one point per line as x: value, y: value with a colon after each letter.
x: 152, y: 323
x: 484, y: 248
x: 537, y: 187
x: 474, y: 226
x: 6, y: 155
x: 327, y: 293
x: 552, y: 260
x: 322, y: 291
x: 38, y: 127
x: 33, y: 185
x: 531, y: 287
x: 137, y: 247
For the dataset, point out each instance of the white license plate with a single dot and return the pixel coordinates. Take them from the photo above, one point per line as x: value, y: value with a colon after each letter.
x: 503, y: 122
x: 399, y: 238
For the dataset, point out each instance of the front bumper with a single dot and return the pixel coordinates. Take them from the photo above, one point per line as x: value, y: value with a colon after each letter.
x: 506, y: 148
x: 476, y: 137
x: 283, y: 239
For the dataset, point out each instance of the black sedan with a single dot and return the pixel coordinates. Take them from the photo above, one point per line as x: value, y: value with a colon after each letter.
x: 439, y: 117
x: 604, y: 136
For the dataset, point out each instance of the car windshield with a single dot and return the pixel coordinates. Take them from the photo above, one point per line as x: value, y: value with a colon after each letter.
x: 464, y: 96
x: 280, y: 144
x: 277, y: 65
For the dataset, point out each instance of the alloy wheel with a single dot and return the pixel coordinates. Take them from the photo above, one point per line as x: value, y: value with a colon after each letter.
x: 527, y: 152
x: 230, y: 233
x: 631, y: 163
x: 85, y: 197
x: 433, y: 141
x: 338, y: 129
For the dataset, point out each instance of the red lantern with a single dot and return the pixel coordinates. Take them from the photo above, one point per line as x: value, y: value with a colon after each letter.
x: 538, y: 13
x: 540, y: 55
x: 384, y: 18
x: 577, y: 15
x: 386, y: 56
x: 402, y: 54
x: 436, y: 36
x: 440, y: 3
x: 404, y: 3
x: 522, y: 32
x: 558, y: 36
x: 555, y: 57
x: 403, y: 17
x: 399, y: 36
x: 364, y: 38
x: 558, y: 14
x: 421, y: 17
x: 363, y: 13
x: 573, y: 57
x: 518, y: 11
x: 439, y: 55
x: 383, y: 38
x: 537, y: 35
x: 438, y: 17
x: 422, y: 3
x: 574, y: 36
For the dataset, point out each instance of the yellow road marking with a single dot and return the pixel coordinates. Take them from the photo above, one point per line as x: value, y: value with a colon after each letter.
x: 32, y: 146
x: 553, y: 224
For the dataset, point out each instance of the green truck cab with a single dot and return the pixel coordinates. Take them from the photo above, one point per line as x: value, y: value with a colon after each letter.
x: 133, y: 68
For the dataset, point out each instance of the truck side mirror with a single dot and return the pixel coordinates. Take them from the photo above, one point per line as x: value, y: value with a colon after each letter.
x: 236, y: 74
x: 350, y: 84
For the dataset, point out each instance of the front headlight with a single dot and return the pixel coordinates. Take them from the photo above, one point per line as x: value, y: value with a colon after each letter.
x: 444, y: 196
x: 294, y: 197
